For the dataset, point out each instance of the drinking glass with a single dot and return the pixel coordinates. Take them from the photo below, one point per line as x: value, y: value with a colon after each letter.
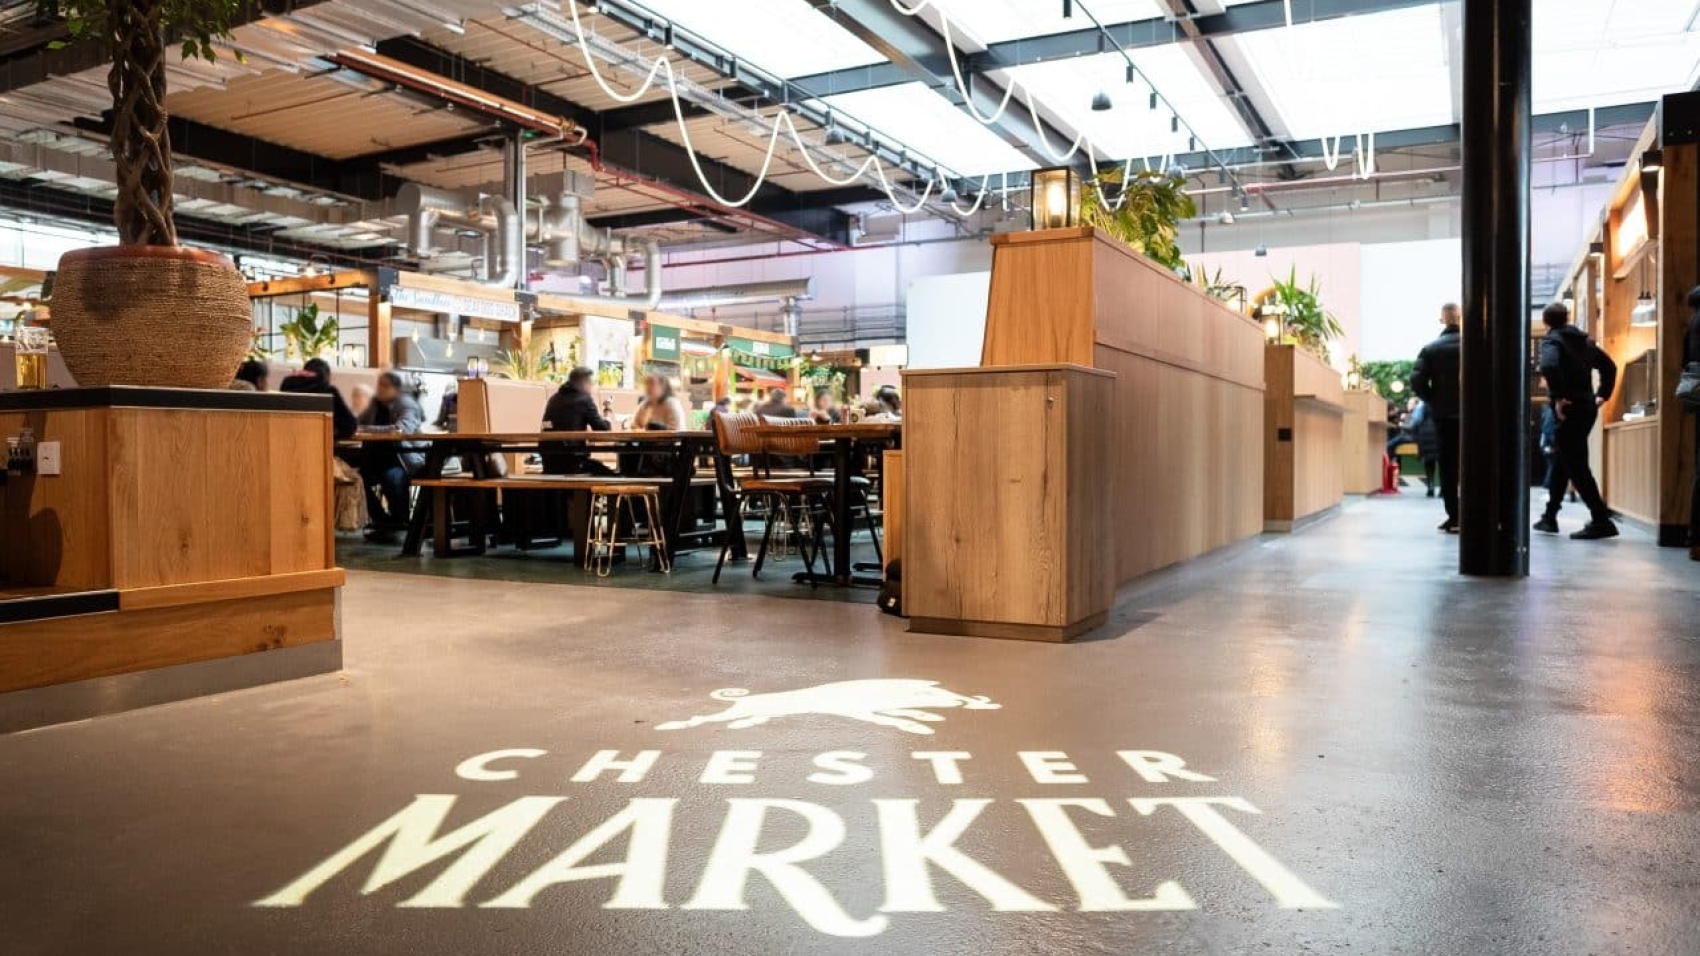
x: 30, y: 353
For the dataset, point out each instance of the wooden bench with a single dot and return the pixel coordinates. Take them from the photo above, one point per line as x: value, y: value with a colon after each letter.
x: 578, y: 487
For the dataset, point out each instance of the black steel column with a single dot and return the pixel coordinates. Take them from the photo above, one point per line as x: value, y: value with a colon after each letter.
x: 1494, y: 473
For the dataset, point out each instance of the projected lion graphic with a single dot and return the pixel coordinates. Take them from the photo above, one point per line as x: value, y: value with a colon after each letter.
x: 901, y: 703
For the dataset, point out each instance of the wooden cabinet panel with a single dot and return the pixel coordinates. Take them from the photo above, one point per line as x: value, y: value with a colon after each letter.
x: 1009, y: 482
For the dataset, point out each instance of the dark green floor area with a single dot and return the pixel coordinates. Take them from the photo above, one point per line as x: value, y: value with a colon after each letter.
x: 693, y: 571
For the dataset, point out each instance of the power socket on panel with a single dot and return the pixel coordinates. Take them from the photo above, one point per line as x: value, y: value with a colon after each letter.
x: 47, y: 458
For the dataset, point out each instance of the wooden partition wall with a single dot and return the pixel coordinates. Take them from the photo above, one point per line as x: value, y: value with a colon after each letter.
x: 1363, y: 442
x: 1186, y: 410
x: 1303, y: 430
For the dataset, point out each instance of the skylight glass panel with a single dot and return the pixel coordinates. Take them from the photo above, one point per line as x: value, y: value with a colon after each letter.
x: 1591, y: 53
x: 994, y: 21
x: 1356, y: 74
x: 1130, y: 129
x: 787, y: 37
x: 912, y: 115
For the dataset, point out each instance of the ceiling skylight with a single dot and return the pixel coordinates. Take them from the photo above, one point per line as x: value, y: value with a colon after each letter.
x: 928, y: 124
x: 1590, y: 53
x: 787, y: 37
x: 993, y: 21
x: 1356, y: 74
x: 1131, y: 129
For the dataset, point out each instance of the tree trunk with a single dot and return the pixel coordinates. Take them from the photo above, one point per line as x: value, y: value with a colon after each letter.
x: 141, y: 139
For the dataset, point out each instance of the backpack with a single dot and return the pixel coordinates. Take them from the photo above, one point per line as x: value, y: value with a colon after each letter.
x: 891, y: 589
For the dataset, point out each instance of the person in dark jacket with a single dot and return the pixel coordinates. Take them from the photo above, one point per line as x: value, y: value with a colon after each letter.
x: 1690, y: 357
x: 1435, y: 380
x: 573, y: 409
x: 1568, y: 361
x: 315, y: 379
x: 386, y: 468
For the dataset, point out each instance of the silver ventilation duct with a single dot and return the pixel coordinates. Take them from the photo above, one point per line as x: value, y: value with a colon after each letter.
x: 559, y: 227
x: 784, y: 290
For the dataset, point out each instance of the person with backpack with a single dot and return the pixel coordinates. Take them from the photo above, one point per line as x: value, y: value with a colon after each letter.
x: 1568, y: 361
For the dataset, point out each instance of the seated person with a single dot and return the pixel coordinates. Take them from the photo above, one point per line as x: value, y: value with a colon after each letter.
x: 573, y: 409
x: 661, y: 409
x: 825, y: 411
x: 315, y: 379
x: 386, y: 467
x: 887, y: 406
x: 776, y: 405
x: 251, y: 377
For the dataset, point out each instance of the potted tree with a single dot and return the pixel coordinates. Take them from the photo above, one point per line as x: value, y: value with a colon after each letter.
x: 148, y: 311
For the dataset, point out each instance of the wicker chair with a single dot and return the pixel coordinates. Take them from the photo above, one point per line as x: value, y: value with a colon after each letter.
x: 801, y: 502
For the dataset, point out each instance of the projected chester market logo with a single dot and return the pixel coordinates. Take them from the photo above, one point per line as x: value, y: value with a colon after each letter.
x: 417, y: 859
x: 891, y: 703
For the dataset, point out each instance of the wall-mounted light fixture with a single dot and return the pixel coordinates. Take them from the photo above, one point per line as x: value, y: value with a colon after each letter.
x: 1055, y: 198
x: 1646, y: 311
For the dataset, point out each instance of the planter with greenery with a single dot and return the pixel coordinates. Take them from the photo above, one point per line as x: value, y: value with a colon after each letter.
x: 1298, y: 309
x: 1149, y: 220
x: 148, y: 311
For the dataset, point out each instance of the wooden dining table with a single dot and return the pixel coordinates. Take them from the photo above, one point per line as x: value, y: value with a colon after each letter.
x: 844, y: 439
x: 474, y: 449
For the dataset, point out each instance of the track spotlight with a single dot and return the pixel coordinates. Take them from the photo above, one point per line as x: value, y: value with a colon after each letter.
x: 1245, y: 203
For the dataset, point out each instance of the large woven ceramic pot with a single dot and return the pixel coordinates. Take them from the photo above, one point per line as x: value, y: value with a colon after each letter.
x: 151, y: 315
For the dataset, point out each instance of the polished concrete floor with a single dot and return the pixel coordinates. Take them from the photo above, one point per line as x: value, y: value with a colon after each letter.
x: 1379, y: 758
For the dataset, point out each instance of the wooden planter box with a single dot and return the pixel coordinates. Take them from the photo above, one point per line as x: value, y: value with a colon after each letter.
x: 185, y: 526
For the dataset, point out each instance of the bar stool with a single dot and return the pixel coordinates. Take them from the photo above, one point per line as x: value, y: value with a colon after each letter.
x: 607, y: 502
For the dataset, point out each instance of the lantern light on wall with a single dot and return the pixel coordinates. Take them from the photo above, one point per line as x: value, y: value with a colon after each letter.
x: 1055, y: 199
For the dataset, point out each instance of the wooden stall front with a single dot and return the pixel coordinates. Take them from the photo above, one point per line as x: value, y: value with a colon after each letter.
x: 1019, y: 528
x: 177, y: 526
x: 1303, y: 428
x: 1182, y: 418
x: 1646, y: 244
x: 1185, y: 415
x: 1363, y: 435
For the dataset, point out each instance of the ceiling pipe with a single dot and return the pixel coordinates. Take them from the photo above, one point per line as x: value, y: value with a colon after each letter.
x: 715, y: 296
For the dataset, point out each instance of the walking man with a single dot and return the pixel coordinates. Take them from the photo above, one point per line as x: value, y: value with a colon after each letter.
x: 1434, y: 379
x: 1569, y: 359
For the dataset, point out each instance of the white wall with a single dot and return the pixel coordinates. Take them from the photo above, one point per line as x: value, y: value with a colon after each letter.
x: 947, y: 319
x: 1404, y: 286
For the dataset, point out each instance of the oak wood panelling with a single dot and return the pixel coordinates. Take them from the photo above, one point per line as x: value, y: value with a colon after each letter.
x: 58, y: 650
x: 1363, y: 442
x: 1186, y: 411
x: 55, y: 529
x: 1302, y: 437
x: 1011, y: 507
x: 1632, y: 468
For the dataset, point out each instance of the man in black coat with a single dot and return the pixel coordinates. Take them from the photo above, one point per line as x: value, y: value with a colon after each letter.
x: 1569, y: 359
x: 573, y: 409
x: 1435, y: 380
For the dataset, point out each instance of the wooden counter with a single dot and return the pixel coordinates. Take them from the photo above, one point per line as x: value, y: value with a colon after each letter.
x: 198, y: 522
x: 1008, y: 537
x: 1186, y: 409
x: 1363, y: 437
x: 1631, y: 474
x: 1303, y: 414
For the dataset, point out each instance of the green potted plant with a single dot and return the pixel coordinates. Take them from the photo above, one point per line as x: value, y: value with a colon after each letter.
x: 147, y: 311
x: 1304, y: 322
x: 1149, y: 218
x: 306, y: 336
